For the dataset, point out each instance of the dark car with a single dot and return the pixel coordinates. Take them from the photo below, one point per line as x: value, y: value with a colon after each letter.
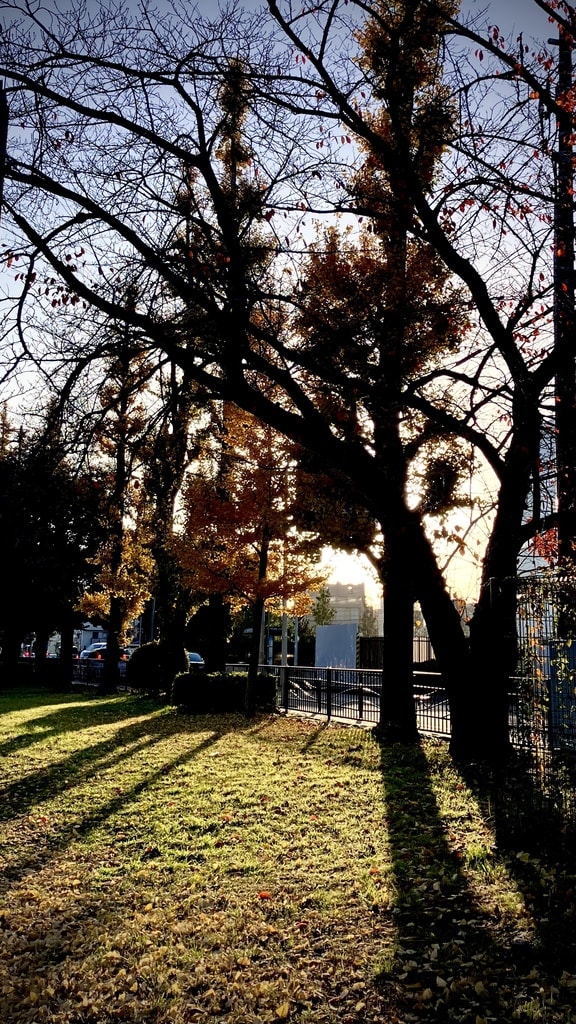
x: 94, y: 661
x: 100, y: 654
x: 196, y: 661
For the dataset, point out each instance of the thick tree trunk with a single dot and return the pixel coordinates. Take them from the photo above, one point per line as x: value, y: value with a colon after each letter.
x: 108, y: 683
x: 414, y: 575
x: 493, y: 630
x: 174, y: 658
x: 172, y: 602
x: 397, y: 709
x: 443, y: 624
x: 491, y: 664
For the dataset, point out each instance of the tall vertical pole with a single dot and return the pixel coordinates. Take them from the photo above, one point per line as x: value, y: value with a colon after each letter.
x: 3, y: 141
x: 284, y: 650
x: 564, y: 318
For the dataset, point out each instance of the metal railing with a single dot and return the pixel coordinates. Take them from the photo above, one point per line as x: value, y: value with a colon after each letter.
x: 353, y: 694
x: 89, y: 670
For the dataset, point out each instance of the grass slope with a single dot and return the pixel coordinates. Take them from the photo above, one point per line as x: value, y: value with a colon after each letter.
x: 165, y: 869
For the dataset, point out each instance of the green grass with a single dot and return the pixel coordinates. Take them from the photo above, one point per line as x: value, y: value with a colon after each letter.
x: 158, y: 867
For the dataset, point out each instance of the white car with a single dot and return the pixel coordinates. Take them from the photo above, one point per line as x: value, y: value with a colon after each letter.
x: 91, y: 648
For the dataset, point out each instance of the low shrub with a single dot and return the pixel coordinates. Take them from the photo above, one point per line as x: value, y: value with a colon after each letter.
x: 220, y: 692
x: 266, y: 691
x: 152, y: 667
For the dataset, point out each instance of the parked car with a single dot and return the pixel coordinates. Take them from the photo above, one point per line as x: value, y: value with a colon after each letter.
x: 100, y: 653
x: 91, y: 649
x: 196, y: 661
x: 91, y: 666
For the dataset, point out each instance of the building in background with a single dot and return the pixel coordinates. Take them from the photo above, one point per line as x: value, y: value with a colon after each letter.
x: 348, y: 601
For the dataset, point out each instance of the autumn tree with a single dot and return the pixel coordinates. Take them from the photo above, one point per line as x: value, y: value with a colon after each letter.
x: 369, y: 353
x: 488, y: 217
x: 215, y: 315
x: 238, y: 537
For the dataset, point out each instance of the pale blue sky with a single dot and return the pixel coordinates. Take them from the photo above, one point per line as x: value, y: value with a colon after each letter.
x: 511, y: 16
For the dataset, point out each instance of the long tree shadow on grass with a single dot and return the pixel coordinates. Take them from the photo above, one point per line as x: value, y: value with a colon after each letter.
x: 88, y: 812
x: 82, y: 913
x: 68, y: 714
x: 456, y: 957
x: 532, y: 809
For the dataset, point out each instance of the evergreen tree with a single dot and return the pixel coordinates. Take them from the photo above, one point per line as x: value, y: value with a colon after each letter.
x: 323, y: 611
x: 49, y: 530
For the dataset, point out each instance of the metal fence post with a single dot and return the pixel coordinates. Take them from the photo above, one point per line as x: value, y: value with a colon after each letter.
x: 328, y: 693
x: 285, y: 686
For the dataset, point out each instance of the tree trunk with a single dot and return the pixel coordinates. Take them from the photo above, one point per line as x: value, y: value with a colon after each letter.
x: 65, y: 659
x: 491, y: 664
x: 493, y: 630
x: 257, y: 618
x: 397, y: 708
x: 108, y: 683
x: 409, y: 572
x: 422, y: 580
x: 172, y: 604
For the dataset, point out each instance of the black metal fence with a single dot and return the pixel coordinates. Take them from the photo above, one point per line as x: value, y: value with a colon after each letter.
x: 89, y: 670
x: 354, y: 695
x: 542, y: 709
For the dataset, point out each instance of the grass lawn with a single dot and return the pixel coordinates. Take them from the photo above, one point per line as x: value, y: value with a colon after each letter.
x: 157, y: 867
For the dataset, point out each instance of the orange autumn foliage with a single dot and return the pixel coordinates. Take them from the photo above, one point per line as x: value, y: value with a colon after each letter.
x: 238, y: 518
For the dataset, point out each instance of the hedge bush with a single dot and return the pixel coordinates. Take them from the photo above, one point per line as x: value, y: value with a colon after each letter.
x: 220, y: 692
x: 152, y: 667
